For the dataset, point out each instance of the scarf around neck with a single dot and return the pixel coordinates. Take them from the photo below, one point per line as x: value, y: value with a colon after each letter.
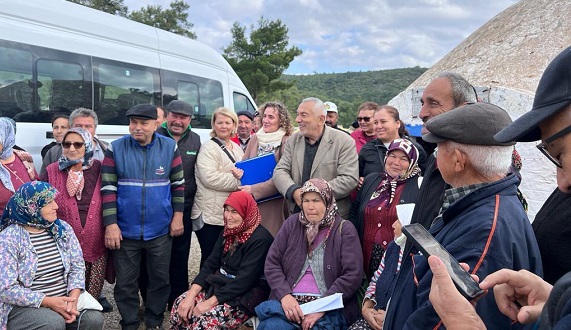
x: 321, y: 187
x: 269, y: 142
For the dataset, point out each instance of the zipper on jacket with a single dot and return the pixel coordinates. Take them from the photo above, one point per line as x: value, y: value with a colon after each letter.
x: 143, y: 193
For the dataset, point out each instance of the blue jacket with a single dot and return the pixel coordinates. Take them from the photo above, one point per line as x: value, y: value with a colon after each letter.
x: 466, y: 227
x: 144, y: 179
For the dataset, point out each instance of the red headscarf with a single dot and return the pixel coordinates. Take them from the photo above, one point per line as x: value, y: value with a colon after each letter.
x: 246, y: 206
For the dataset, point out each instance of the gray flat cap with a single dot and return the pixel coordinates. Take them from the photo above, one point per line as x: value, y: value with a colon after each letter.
x: 469, y: 124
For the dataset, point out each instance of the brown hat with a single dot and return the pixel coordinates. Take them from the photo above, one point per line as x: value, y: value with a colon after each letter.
x: 145, y: 111
x: 469, y: 124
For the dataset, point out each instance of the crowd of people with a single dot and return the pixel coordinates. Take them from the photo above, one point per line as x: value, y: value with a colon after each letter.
x: 327, y: 221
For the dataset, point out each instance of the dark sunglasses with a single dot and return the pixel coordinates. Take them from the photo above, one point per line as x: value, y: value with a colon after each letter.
x: 365, y: 119
x: 76, y: 145
x: 543, y: 149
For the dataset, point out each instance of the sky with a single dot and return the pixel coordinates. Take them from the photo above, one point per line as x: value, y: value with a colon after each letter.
x: 348, y: 35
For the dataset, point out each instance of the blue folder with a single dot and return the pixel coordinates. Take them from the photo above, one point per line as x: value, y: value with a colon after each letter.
x: 258, y: 169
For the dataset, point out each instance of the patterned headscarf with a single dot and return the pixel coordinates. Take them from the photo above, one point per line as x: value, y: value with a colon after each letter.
x: 247, y: 207
x: 389, y: 184
x: 7, y: 140
x: 25, y: 208
x: 321, y: 187
x: 75, y: 181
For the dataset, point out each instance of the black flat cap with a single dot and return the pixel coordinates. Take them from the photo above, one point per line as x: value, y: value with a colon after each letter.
x: 469, y: 124
x: 245, y: 113
x: 180, y: 107
x: 144, y: 111
x: 553, y: 95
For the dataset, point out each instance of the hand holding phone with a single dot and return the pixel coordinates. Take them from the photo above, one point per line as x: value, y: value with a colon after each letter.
x: 428, y: 245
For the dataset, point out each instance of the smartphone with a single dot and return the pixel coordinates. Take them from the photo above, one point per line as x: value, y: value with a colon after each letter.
x: 429, y: 246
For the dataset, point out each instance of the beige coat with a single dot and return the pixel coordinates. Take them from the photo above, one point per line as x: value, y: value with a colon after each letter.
x: 272, y: 211
x: 336, y: 161
x: 214, y: 181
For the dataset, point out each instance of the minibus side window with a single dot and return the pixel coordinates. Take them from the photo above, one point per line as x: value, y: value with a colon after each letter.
x: 15, y: 81
x: 60, y: 86
x: 242, y: 103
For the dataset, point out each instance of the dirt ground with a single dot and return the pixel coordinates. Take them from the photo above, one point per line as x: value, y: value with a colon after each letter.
x: 112, y: 319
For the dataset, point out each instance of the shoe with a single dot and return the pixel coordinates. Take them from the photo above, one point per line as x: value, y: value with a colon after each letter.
x: 107, y: 307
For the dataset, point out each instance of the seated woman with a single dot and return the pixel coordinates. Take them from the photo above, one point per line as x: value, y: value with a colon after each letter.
x: 230, y: 283
x: 374, y: 210
x: 43, y: 272
x: 315, y: 254
x: 376, y: 296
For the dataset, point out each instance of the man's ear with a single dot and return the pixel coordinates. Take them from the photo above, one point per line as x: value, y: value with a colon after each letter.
x: 459, y: 160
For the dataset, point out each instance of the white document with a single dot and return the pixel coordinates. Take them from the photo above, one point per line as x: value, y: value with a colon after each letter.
x: 404, y: 213
x: 334, y: 301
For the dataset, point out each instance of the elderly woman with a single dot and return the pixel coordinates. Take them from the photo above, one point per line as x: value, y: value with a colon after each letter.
x: 16, y: 167
x: 78, y: 176
x: 315, y: 254
x: 270, y: 138
x: 388, y: 127
x: 377, y: 295
x: 216, y: 178
x: 42, y: 273
x: 229, y: 285
x: 374, y: 210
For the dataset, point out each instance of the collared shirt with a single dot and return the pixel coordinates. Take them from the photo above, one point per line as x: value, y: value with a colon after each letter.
x: 453, y: 194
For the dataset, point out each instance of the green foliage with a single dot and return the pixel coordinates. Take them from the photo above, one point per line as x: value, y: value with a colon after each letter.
x: 261, y: 59
x: 114, y: 7
x: 173, y: 19
x: 347, y: 90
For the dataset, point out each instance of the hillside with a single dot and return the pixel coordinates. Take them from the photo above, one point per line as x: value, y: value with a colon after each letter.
x: 347, y: 90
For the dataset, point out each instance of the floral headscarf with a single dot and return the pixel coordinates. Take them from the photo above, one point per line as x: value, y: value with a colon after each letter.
x: 7, y: 140
x: 321, y: 187
x: 247, y: 207
x: 75, y: 181
x: 389, y: 184
x: 24, y: 208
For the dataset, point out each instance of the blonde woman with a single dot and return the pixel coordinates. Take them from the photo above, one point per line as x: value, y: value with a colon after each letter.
x: 216, y: 178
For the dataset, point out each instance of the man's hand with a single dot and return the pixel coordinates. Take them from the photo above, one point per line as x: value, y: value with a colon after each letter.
x: 176, y: 227
x: 455, y: 311
x: 291, y: 309
x: 310, y: 320
x: 113, y: 237
x: 297, y: 197
x: 522, y: 287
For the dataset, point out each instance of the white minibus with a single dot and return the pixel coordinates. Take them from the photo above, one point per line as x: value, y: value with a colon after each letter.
x: 56, y: 56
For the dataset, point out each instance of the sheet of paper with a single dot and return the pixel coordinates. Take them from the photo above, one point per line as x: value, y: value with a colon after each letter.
x: 334, y: 301
x: 404, y: 213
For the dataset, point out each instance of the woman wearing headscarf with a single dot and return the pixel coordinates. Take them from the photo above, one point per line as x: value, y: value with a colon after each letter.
x: 315, y: 254
x: 276, y: 128
x: 42, y: 273
x: 230, y: 283
x: 374, y: 210
x: 78, y: 177
x: 16, y: 166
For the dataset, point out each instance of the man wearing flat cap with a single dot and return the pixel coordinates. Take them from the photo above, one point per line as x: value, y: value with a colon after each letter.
x: 143, y: 203
x: 245, y: 125
x: 177, y: 127
x: 481, y: 221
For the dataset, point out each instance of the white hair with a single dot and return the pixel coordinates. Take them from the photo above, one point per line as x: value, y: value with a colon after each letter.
x: 318, y: 105
x: 488, y: 161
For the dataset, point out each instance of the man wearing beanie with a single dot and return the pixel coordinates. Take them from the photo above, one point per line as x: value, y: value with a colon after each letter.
x: 143, y: 203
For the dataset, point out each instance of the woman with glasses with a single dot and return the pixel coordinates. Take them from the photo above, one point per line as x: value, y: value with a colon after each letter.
x: 77, y: 176
x: 366, y: 130
x: 16, y: 166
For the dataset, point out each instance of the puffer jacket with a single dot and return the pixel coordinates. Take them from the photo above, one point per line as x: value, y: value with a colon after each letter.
x: 214, y: 181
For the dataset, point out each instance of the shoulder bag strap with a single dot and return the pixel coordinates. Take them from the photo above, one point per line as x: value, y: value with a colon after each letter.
x: 224, y: 148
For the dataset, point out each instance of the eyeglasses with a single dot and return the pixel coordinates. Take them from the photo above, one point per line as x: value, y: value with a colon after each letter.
x: 365, y: 119
x: 543, y: 146
x: 76, y: 145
